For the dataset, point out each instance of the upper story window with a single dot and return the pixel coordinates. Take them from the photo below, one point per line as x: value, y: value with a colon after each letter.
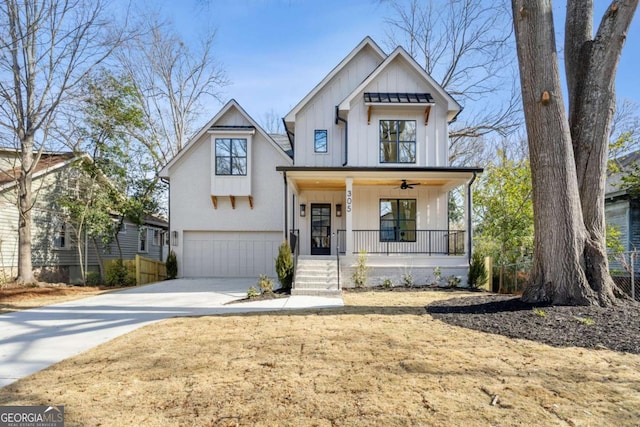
x: 397, y: 141
x: 61, y: 236
x: 142, y: 240
x: 320, y: 141
x: 231, y: 156
x: 397, y: 220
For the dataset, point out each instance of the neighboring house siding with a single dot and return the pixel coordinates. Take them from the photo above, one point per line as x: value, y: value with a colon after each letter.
x: 46, y: 219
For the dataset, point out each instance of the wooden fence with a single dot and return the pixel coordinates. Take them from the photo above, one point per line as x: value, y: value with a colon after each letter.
x: 144, y: 270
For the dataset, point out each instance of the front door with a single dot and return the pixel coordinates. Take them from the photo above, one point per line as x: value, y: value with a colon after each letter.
x: 320, y: 229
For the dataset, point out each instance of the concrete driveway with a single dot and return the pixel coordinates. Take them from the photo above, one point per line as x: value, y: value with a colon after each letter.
x: 32, y: 340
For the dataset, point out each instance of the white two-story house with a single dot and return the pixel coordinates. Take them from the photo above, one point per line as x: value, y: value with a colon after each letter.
x: 364, y: 169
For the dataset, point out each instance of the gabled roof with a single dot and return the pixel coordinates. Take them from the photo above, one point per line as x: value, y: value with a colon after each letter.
x: 625, y: 164
x: 211, y: 125
x: 367, y: 41
x: 453, y: 108
x: 47, y: 163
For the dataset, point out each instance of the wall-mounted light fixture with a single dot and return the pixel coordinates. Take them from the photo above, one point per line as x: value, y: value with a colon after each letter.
x: 174, y: 238
x: 338, y: 210
x: 303, y: 209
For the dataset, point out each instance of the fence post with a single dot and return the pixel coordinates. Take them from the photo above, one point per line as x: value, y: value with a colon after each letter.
x: 632, y: 259
x: 138, y: 271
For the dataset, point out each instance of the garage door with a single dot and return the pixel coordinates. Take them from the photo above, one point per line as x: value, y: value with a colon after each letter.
x: 230, y: 254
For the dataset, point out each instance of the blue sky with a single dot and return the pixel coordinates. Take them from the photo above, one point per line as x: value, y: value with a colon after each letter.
x: 276, y: 51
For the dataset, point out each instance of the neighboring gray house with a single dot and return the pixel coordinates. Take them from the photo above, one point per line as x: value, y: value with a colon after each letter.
x: 55, y: 254
x: 622, y: 208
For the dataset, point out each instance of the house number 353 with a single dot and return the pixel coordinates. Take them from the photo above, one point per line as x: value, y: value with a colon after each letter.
x: 349, y: 201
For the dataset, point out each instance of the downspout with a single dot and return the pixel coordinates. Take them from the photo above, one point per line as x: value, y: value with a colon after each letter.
x: 286, y: 213
x: 469, y: 237
x: 346, y: 136
x: 162, y: 254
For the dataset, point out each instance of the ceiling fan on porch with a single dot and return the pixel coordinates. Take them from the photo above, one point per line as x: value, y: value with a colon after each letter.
x: 404, y: 185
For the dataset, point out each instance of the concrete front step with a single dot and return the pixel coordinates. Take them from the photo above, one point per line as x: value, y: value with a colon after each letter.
x: 317, y: 292
x: 316, y: 276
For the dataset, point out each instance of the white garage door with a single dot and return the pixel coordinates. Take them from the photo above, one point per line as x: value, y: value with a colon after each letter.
x: 230, y: 254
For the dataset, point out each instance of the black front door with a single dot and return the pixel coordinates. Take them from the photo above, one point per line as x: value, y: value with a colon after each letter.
x: 320, y: 229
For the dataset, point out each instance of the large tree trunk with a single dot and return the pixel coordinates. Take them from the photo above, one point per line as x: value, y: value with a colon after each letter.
x: 25, y: 268
x: 569, y: 158
x: 560, y: 236
x: 591, y: 65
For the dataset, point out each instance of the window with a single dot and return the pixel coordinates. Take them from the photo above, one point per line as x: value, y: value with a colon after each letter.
x: 231, y: 156
x: 61, y: 238
x: 397, y: 220
x: 397, y: 141
x: 320, y: 141
x: 142, y: 240
x: 156, y: 238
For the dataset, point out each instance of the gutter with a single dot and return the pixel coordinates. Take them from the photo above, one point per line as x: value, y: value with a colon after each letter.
x: 469, y: 237
x: 346, y: 136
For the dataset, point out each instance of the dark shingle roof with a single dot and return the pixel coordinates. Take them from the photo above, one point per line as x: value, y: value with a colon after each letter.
x: 398, y: 98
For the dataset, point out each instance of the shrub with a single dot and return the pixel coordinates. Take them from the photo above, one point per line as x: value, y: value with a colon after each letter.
x: 265, y: 284
x: 93, y: 279
x: 284, y: 266
x: 407, y: 280
x: 117, y: 274
x: 387, y: 283
x: 172, y: 265
x: 252, y: 292
x: 453, y: 281
x: 359, y: 275
x: 477, y: 271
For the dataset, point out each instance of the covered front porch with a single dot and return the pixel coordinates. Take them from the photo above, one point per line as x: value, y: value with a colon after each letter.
x: 381, y: 211
x: 398, y: 217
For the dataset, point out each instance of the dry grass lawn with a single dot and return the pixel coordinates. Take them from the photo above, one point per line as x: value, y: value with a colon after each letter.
x: 16, y: 298
x: 380, y: 361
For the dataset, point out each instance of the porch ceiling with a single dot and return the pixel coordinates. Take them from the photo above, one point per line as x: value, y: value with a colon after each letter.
x: 335, y: 179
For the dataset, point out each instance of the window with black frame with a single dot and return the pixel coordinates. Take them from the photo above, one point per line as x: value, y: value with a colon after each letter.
x: 231, y: 156
x: 320, y: 141
x: 397, y: 220
x: 397, y: 141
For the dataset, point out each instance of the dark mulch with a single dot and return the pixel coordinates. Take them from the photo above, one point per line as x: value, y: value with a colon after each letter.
x: 616, y: 328
x: 278, y: 293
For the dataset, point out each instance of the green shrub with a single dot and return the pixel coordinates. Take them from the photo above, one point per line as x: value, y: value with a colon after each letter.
x: 172, y: 265
x: 117, y: 274
x: 477, y: 271
x: 265, y: 284
x: 453, y: 281
x: 359, y: 275
x: 407, y: 280
x: 284, y: 266
x: 387, y: 283
x: 93, y: 279
x: 252, y: 292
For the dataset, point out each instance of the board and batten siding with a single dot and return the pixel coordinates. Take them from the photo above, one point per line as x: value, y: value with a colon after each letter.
x: 319, y: 113
x: 191, y: 206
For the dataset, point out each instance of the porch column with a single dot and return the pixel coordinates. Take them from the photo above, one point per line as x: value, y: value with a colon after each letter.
x: 467, y: 219
x: 349, y: 213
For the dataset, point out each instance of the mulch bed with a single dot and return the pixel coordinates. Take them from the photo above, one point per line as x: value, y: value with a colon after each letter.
x: 278, y: 293
x: 616, y: 328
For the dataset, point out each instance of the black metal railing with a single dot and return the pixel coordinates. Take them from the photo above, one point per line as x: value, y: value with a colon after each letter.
x: 295, y: 247
x: 430, y: 242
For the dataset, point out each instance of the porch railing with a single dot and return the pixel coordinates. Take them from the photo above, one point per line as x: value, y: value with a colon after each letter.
x: 429, y: 242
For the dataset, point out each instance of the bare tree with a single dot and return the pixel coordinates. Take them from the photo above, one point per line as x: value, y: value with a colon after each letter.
x: 464, y: 45
x: 175, y: 80
x: 569, y: 157
x: 272, y: 122
x: 47, y: 48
